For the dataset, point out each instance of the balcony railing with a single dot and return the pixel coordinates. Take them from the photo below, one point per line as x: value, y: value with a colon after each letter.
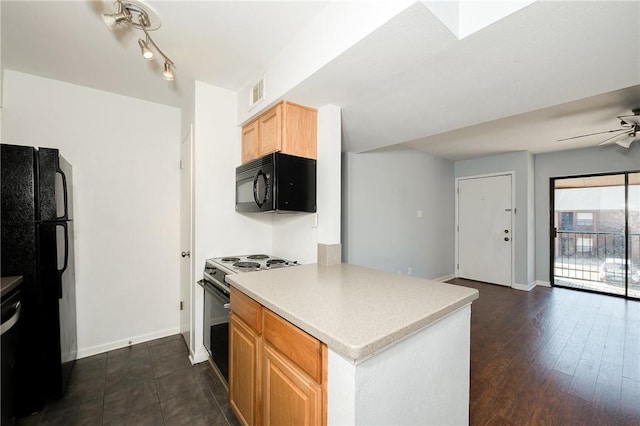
x: 581, y: 254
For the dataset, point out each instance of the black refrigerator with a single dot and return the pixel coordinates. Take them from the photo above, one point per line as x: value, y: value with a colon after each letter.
x: 37, y: 243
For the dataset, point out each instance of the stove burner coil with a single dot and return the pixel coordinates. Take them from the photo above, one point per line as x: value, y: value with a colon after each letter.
x: 230, y: 259
x: 257, y: 256
x: 275, y: 261
x: 247, y: 265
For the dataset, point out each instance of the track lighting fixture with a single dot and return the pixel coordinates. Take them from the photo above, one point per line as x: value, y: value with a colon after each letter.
x: 144, y: 47
x: 137, y: 15
x: 167, y: 73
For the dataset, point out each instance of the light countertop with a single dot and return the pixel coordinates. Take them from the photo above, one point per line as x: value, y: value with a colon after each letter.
x: 356, y: 311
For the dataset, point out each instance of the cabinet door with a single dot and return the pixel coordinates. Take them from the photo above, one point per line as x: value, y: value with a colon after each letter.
x: 244, y: 345
x: 250, y: 142
x: 299, y: 131
x: 290, y: 397
x: 270, y: 124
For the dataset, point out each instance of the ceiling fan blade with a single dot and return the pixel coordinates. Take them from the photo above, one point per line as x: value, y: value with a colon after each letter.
x: 625, y: 143
x: 592, y: 134
x: 612, y: 139
x: 630, y: 119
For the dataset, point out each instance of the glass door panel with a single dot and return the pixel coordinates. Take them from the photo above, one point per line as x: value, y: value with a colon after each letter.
x: 589, y: 225
x: 633, y: 236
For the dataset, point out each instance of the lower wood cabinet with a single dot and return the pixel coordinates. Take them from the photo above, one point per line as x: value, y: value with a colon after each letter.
x: 244, y: 348
x: 277, y: 372
x: 290, y: 397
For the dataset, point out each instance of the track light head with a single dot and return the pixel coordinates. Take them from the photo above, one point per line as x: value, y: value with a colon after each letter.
x: 111, y: 20
x: 167, y: 74
x: 144, y: 48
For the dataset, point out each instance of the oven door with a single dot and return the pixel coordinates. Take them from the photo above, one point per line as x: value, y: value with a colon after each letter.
x: 216, y: 327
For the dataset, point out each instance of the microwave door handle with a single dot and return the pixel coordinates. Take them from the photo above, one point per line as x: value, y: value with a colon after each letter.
x: 255, y: 188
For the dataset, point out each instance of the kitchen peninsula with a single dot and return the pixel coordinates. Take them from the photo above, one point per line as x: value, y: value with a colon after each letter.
x: 395, y: 349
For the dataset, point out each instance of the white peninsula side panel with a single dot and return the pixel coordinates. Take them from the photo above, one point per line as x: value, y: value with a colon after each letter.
x: 422, y: 379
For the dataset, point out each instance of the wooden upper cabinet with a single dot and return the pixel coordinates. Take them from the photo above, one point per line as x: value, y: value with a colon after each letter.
x: 250, y: 142
x: 300, y: 131
x: 287, y: 127
x: 270, y: 125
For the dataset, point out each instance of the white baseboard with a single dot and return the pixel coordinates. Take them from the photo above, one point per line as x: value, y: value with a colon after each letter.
x: 201, y: 355
x: 106, y: 347
x: 529, y: 287
x: 524, y: 287
x: 445, y: 278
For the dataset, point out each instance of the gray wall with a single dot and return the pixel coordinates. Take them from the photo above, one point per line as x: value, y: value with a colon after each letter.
x: 521, y: 163
x: 570, y: 163
x: 382, y: 193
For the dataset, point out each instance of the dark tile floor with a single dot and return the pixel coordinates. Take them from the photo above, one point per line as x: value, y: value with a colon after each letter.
x: 150, y: 383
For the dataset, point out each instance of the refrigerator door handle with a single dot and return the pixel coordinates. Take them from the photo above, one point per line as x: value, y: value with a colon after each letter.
x: 65, y: 216
x: 66, y: 257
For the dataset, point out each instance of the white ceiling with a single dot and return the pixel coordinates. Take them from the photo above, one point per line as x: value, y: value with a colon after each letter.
x: 551, y: 70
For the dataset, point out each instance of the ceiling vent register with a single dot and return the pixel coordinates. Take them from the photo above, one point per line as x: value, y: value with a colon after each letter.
x: 256, y: 94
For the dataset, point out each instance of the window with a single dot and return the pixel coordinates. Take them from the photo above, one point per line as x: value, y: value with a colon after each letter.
x: 584, y: 219
x: 566, y: 221
x: 584, y: 245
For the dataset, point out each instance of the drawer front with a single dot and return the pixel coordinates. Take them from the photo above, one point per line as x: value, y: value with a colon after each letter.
x: 247, y: 309
x: 304, y: 350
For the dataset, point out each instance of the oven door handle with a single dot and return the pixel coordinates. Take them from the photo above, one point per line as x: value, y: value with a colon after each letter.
x: 217, y: 293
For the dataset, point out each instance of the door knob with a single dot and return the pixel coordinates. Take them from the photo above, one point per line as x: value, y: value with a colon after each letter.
x: 186, y: 253
x: 506, y: 238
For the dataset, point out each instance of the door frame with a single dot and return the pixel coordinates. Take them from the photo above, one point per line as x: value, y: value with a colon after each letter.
x: 510, y: 173
x: 186, y: 318
x: 552, y: 237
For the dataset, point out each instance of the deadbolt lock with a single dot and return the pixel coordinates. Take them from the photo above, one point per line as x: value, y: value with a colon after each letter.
x: 506, y: 231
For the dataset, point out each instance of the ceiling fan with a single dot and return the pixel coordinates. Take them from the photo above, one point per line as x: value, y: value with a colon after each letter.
x: 628, y: 132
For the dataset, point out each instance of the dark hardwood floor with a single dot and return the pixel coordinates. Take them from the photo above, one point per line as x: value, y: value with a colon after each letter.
x: 553, y: 356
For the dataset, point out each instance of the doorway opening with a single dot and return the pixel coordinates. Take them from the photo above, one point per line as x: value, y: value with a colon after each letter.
x: 595, y: 233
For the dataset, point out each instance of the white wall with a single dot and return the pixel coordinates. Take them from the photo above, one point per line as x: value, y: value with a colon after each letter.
x: 335, y: 29
x: 571, y: 163
x: 219, y: 229
x: 382, y: 194
x: 125, y: 154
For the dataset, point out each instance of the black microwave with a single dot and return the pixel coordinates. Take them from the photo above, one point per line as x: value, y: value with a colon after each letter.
x: 276, y: 182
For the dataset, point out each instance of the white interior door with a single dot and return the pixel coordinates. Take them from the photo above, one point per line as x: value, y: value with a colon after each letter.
x: 484, y: 229
x: 186, y: 233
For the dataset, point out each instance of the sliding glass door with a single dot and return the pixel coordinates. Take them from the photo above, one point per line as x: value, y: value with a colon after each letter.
x: 596, y: 233
x: 633, y: 235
